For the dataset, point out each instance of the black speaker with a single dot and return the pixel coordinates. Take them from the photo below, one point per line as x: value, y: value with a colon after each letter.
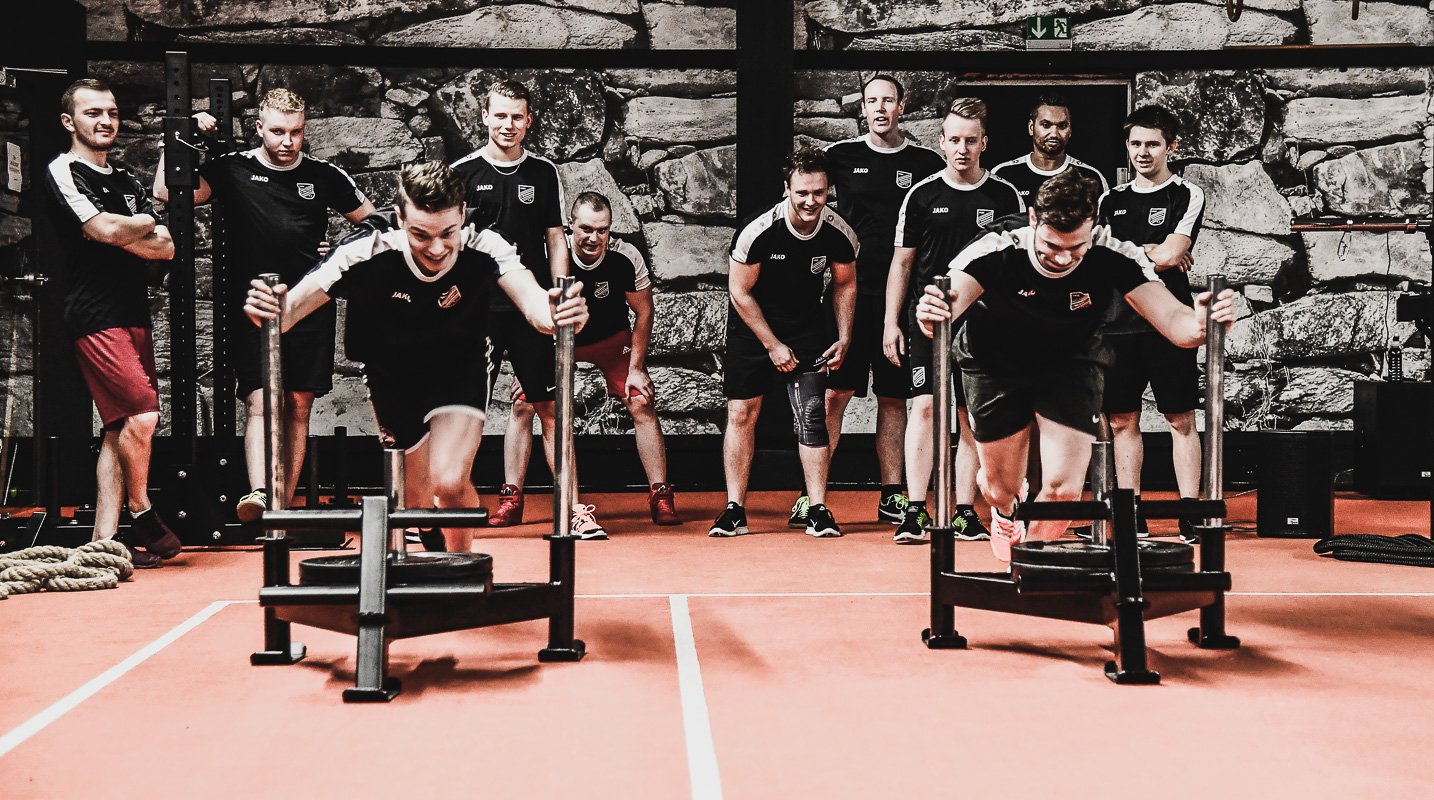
x: 1295, y: 483
x: 1391, y: 439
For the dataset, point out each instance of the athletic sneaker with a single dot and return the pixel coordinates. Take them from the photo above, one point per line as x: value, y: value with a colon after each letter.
x: 821, y: 523
x: 968, y: 525
x: 1188, y: 534
x: 800, y: 509
x: 731, y: 522
x: 585, y: 525
x: 432, y: 540
x: 913, y: 528
x: 153, y: 535
x: 139, y: 558
x: 510, y: 507
x: 892, y: 508
x: 664, y: 510
x: 1004, y: 533
x: 1142, y: 530
x: 252, y: 505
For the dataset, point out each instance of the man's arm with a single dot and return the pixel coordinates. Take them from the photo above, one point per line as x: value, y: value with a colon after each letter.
x: 1172, y: 253
x: 202, y: 192
x: 897, y: 280
x: 741, y: 278
x: 264, y: 303
x: 157, y: 246
x: 1181, y: 324
x: 537, y: 303
x: 642, y: 309
x: 557, y: 251
x: 844, y: 299
x: 932, y: 307
x: 120, y: 230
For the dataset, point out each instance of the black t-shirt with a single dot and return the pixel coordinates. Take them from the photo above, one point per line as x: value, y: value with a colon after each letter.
x: 105, y: 286
x: 1027, y: 317
x: 793, y: 270
x: 938, y: 217
x: 871, y: 182
x: 606, y: 283
x: 1148, y: 216
x: 1027, y: 178
x: 398, y: 314
x: 521, y: 200
x: 275, y: 217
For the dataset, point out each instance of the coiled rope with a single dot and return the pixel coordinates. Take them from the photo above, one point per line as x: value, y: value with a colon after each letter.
x: 95, y: 565
x: 1411, y: 549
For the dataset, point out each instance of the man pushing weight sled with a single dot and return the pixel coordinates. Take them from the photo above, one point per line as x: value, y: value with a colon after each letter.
x: 1037, y: 287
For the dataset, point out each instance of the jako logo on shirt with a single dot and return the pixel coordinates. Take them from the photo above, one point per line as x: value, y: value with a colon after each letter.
x: 526, y: 194
x: 777, y: 256
x: 1157, y: 216
x: 259, y: 178
x: 306, y: 191
x: 1079, y: 300
x: 985, y: 216
x: 918, y: 376
x: 450, y: 298
x: 819, y: 263
x: 1118, y: 212
x: 402, y: 296
x: 940, y: 210
x: 903, y: 179
x: 858, y: 170
x: 483, y: 187
x: 602, y: 290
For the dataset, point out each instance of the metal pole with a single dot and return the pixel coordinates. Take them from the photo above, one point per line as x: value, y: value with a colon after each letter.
x: 1214, y: 402
x: 1102, y: 483
x: 395, y: 488
x: 271, y: 369
x: 564, y: 483
x: 941, y: 414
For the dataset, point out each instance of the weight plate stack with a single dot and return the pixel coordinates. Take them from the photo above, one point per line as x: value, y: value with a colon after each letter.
x: 417, y: 568
x: 1067, y: 557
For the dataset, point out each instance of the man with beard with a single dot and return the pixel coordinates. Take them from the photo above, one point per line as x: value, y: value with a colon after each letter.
x: 108, y: 229
x: 1050, y: 130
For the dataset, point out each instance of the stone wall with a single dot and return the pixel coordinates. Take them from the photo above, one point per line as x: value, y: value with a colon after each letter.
x: 16, y: 300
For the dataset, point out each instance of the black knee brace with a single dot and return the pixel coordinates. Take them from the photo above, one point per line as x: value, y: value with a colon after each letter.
x: 807, y: 392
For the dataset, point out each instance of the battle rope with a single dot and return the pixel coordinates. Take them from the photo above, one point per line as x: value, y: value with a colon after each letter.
x: 95, y: 565
x: 1411, y: 549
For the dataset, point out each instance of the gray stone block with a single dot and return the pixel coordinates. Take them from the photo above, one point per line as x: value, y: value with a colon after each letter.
x: 886, y: 15
x: 688, y: 252
x: 673, y: 120
x: 1183, y: 26
x: 689, y: 324
x: 1395, y: 256
x: 1222, y: 114
x: 689, y: 27
x: 569, y: 109
x: 1379, y: 23
x: 1241, y: 258
x: 1241, y: 197
x: 329, y: 91
x: 702, y: 184
x: 519, y: 26
x: 948, y: 40
x: 687, y: 83
x: 584, y: 176
x: 1386, y: 180
x: 358, y: 143
x: 1327, y: 120
x: 1354, y: 82
x: 1319, y: 326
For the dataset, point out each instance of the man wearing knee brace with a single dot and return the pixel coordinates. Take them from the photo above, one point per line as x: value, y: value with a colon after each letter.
x: 779, y: 262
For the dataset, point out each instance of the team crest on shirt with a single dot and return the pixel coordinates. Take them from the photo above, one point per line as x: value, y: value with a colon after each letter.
x: 602, y: 290
x: 1079, y: 300
x: 903, y: 179
x: 526, y: 194
x: 819, y: 263
x: 918, y: 376
x: 133, y: 202
x: 1157, y: 216
x: 306, y: 191
x: 985, y: 216
x: 450, y: 298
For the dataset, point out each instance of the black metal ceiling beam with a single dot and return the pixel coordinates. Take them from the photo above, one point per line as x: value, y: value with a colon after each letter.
x: 381, y: 56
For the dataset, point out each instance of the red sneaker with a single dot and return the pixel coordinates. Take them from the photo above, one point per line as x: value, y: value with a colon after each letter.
x: 1004, y: 533
x: 660, y: 500
x: 510, y: 507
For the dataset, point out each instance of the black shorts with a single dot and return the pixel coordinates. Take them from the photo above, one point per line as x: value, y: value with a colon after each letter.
x: 406, y: 396
x: 919, y: 353
x: 865, y: 358
x: 532, y: 354
x: 308, y: 353
x: 1149, y: 358
x: 1066, y: 392
x: 748, y: 371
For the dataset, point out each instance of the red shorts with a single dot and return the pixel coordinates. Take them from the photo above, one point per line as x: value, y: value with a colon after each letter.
x: 610, y: 356
x: 118, y: 365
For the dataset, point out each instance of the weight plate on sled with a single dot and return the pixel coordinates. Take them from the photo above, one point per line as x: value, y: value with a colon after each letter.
x: 1089, y: 557
x: 418, y: 568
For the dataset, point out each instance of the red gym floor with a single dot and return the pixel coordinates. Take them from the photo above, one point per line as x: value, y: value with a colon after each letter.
x: 768, y: 666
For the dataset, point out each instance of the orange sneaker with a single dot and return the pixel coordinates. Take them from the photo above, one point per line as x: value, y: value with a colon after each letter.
x: 510, y: 507
x: 664, y: 510
x: 1004, y: 533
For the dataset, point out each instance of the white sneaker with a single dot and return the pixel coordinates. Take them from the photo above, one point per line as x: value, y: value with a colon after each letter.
x: 585, y: 525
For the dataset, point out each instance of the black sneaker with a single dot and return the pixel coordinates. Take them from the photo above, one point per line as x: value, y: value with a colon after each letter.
x: 892, y: 508
x: 1188, y: 534
x: 968, y: 525
x: 821, y: 523
x: 153, y: 535
x: 913, y: 528
x: 139, y: 558
x: 432, y: 540
x: 800, y: 510
x: 732, y: 522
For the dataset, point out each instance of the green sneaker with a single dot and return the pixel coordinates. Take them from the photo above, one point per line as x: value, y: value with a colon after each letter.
x: 913, y: 528
x: 892, y: 508
x: 968, y: 526
x: 252, y: 505
x: 800, y: 510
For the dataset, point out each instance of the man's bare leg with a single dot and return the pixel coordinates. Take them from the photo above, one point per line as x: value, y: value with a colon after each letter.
x: 647, y: 430
x: 1129, y: 449
x: 445, y: 461
x: 919, y: 457
x: 890, y: 438
x: 814, y: 471
x: 1003, y: 467
x: 518, y: 444
x: 967, y: 463
x: 1185, y: 445
x: 110, y: 481
x: 1065, y: 457
x: 739, y: 442
x: 837, y: 400
x: 135, y: 442
x: 297, y: 407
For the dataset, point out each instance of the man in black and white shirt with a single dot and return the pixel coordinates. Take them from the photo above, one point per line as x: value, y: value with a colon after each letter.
x: 779, y: 262
x: 275, y: 201
x: 1162, y: 212
x: 518, y: 193
x: 1031, y: 348
x: 107, y: 230
x: 938, y: 217
x: 417, y: 283
x: 1050, y: 129
x: 871, y: 175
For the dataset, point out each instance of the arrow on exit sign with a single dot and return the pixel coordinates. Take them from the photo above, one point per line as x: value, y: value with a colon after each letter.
x: 1048, y: 33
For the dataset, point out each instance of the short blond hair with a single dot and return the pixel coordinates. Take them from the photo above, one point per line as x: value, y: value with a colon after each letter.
x: 969, y: 108
x: 282, y: 100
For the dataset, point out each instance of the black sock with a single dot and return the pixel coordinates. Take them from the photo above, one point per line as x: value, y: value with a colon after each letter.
x: 915, y: 507
x: 962, y: 508
x: 888, y: 489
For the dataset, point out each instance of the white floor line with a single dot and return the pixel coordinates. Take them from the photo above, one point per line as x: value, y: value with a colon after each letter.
x: 41, y: 720
x: 701, y: 752
x: 1330, y: 594
x: 926, y: 594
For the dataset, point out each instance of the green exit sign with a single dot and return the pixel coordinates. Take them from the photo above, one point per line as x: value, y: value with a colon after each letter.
x: 1048, y: 33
